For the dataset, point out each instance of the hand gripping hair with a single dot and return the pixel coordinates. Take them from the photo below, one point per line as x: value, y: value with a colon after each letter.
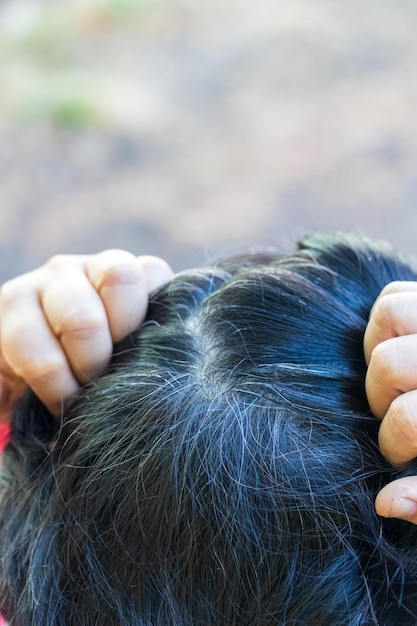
x: 223, y: 470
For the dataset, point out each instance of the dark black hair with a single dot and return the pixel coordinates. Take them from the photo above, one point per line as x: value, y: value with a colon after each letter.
x: 223, y: 471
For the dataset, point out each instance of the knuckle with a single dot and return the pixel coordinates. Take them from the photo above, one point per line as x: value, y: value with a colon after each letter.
x: 42, y: 371
x: 121, y: 274
x: 114, y: 253
x: 112, y: 268
x: 383, y: 363
x: 395, y: 286
x: 403, y: 419
x: 56, y: 262
x: 120, y: 269
x: 10, y: 291
x: 385, y: 313
x: 15, y: 289
x: 81, y: 323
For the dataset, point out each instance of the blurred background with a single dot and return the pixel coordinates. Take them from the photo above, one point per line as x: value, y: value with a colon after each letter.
x: 190, y: 129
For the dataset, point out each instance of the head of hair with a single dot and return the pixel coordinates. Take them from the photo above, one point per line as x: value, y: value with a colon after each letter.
x: 224, y: 469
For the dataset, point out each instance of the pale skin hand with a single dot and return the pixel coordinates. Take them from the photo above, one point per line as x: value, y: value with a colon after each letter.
x: 390, y: 345
x: 58, y: 323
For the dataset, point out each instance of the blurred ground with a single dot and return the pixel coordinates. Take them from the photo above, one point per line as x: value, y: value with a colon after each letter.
x: 188, y: 129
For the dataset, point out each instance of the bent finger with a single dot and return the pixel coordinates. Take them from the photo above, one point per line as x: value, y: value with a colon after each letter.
x: 123, y: 283
x: 392, y: 371
x: 33, y: 353
x: 399, y: 499
x: 393, y: 314
x: 398, y: 430
x: 78, y: 319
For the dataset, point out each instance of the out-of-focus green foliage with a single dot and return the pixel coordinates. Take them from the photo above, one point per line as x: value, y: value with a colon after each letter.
x: 43, y: 74
x: 120, y: 10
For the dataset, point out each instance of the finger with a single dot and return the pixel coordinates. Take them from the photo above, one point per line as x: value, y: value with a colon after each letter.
x: 398, y: 430
x: 31, y: 351
x: 157, y: 271
x: 399, y: 499
x: 392, y: 371
x: 393, y: 314
x: 77, y: 317
x: 124, y: 282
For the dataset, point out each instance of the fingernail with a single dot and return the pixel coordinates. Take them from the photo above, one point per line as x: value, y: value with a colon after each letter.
x: 403, y: 508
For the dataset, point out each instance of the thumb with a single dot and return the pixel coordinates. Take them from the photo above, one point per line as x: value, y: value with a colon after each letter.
x: 399, y: 499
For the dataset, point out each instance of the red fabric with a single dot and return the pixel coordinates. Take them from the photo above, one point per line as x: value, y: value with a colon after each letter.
x: 4, y: 440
